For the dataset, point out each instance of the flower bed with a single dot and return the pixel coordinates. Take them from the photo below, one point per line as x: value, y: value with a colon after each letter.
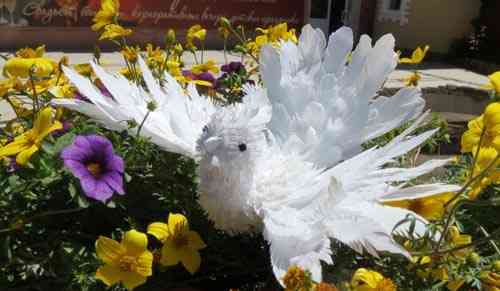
x: 285, y: 170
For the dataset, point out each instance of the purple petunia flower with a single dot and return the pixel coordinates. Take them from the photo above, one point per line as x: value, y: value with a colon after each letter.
x: 91, y: 159
x: 232, y: 67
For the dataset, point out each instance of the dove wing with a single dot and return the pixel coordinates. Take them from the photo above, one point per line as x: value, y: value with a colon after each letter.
x: 175, y: 124
x: 324, y: 96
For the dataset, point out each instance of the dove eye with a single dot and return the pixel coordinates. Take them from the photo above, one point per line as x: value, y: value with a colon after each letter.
x: 242, y: 147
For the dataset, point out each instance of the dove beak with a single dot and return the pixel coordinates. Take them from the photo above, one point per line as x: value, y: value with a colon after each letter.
x: 212, y: 143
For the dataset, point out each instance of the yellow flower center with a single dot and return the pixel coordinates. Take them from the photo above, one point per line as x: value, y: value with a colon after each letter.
x: 94, y: 169
x: 181, y: 241
x: 127, y: 264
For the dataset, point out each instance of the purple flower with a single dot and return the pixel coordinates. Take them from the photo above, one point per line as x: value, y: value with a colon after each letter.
x: 203, y: 76
x: 232, y: 67
x: 91, y: 159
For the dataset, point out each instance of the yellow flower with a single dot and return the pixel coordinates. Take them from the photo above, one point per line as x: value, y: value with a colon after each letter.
x: 106, y: 15
x: 485, y: 157
x: 490, y: 280
x: 128, y: 262
x: 29, y: 53
x: 178, y: 49
x: 8, y: 85
x: 279, y: 32
x: 83, y: 69
x: 491, y: 117
x: 296, y: 279
x: 209, y: 66
x: 417, y: 56
x: 20, y: 67
x: 130, y: 53
x: 272, y: 35
x: 489, y: 121
x: 179, y: 243
x: 25, y: 145
x: 440, y: 274
x: 130, y: 74
x: 413, y: 79
x: 454, y: 285
x: 431, y: 207
x: 112, y: 31
x: 494, y: 83
x: 195, y: 32
x: 154, y: 55
x: 458, y: 239
x: 366, y: 280
x: 65, y: 90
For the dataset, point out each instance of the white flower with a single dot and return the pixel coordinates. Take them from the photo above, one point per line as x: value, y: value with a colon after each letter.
x: 288, y: 160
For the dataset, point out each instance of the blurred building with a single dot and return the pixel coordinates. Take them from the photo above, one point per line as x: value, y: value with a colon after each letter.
x: 438, y: 23
x: 65, y: 24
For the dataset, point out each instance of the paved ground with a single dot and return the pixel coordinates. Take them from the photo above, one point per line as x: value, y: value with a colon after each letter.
x: 433, y: 75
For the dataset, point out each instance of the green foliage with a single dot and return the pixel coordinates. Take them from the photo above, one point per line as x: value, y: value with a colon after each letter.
x: 431, y: 146
x: 48, y: 228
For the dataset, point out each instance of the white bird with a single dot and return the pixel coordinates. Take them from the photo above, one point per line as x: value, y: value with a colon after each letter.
x: 288, y: 160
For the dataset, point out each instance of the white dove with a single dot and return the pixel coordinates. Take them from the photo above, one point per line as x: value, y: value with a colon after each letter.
x: 288, y: 161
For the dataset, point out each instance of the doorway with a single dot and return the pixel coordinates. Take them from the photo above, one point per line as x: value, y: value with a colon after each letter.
x: 338, y: 14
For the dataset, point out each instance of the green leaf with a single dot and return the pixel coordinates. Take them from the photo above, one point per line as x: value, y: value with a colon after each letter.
x: 83, y: 202
x: 63, y: 142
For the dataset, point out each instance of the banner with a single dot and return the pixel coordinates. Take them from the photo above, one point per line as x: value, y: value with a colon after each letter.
x: 152, y: 13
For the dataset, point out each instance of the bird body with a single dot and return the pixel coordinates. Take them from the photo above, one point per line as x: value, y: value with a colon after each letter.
x: 288, y: 160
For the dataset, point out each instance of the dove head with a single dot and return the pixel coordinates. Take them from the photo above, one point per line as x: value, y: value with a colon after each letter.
x: 230, y: 146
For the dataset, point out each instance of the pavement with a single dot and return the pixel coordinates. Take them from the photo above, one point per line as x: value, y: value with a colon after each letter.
x: 434, y: 75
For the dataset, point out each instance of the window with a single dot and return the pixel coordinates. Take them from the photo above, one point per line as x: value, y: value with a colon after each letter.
x: 393, y: 10
x: 395, y: 5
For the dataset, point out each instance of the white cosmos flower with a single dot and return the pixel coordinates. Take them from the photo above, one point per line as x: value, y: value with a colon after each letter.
x: 288, y: 160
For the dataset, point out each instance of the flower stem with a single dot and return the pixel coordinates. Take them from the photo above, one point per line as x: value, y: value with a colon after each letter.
x: 142, y: 124
x: 451, y: 213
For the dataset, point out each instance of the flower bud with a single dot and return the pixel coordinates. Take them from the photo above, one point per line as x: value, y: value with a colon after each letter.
x: 474, y: 258
x: 170, y: 37
x: 224, y: 22
x: 496, y: 265
x: 151, y: 106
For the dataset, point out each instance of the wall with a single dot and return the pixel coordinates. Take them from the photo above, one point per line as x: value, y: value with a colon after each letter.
x: 434, y: 22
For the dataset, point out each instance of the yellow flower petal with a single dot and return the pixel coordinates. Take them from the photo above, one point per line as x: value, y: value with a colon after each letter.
x: 158, y: 230
x: 108, y: 250
x: 132, y: 280
x: 17, y: 146
x: 23, y: 157
x: 112, y: 31
x: 454, y: 285
x: 365, y: 276
x: 135, y: 242
x: 495, y: 81
x: 20, y: 67
x: 44, y: 124
x: 109, y: 274
x: 191, y: 260
x: 195, y: 241
x: 170, y: 256
x: 177, y: 223
x: 144, y: 264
